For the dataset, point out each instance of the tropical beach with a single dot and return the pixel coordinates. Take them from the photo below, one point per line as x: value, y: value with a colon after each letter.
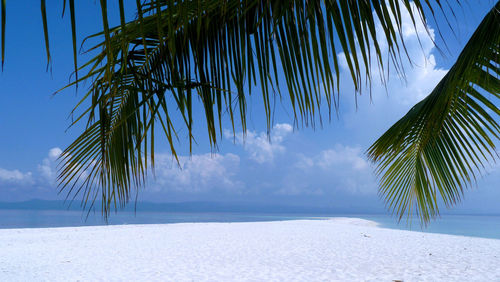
x: 337, y: 249
x: 209, y: 140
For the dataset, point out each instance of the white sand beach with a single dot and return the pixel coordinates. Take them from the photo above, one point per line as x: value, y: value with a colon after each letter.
x: 299, y: 250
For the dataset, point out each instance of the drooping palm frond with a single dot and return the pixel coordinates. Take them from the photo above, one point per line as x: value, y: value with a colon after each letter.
x: 150, y: 71
x: 437, y: 149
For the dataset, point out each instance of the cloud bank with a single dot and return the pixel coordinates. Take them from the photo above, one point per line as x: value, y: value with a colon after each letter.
x: 260, y: 147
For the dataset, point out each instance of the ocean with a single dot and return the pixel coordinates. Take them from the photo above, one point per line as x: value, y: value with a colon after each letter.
x: 486, y: 226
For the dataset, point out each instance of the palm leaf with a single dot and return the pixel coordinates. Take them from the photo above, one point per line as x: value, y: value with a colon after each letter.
x: 438, y: 148
x: 4, y: 15
x: 150, y: 71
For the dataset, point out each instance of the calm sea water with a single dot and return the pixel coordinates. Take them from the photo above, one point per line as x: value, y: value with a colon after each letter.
x: 466, y: 225
x: 486, y: 226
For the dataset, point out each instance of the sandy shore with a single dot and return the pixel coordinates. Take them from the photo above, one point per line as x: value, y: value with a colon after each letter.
x: 301, y: 250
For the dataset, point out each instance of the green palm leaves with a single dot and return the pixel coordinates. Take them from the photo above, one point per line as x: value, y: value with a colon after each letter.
x: 436, y: 150
x: 148, y: 74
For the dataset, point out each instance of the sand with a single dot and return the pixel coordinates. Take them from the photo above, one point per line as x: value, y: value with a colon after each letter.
x: 298, y: 250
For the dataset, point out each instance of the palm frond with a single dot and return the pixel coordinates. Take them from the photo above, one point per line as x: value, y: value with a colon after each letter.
x: 438, y: 148
x: 45, y: 30
x: 4, y: 8
x: 150, y: 71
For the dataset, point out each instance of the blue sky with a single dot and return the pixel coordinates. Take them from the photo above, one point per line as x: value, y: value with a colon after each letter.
x: 323, y: 167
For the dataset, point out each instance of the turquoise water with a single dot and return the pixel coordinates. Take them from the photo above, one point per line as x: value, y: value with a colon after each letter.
x: 486, y: 226
x: 466, y: 225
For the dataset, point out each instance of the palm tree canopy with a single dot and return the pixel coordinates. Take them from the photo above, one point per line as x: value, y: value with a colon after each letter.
x: 148, y: 72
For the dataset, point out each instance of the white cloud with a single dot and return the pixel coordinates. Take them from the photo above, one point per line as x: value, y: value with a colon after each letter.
x: 198, y: 173
x: 304, y: 162
x: 423, y: 75
x: 259, y: 147
x: 342, y: 156
x: 15, y: 177
x: 47, y: 168
x: 43, y: 179
x: 341, y: 168
x: 54, y: 153
x: 348, y: 167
